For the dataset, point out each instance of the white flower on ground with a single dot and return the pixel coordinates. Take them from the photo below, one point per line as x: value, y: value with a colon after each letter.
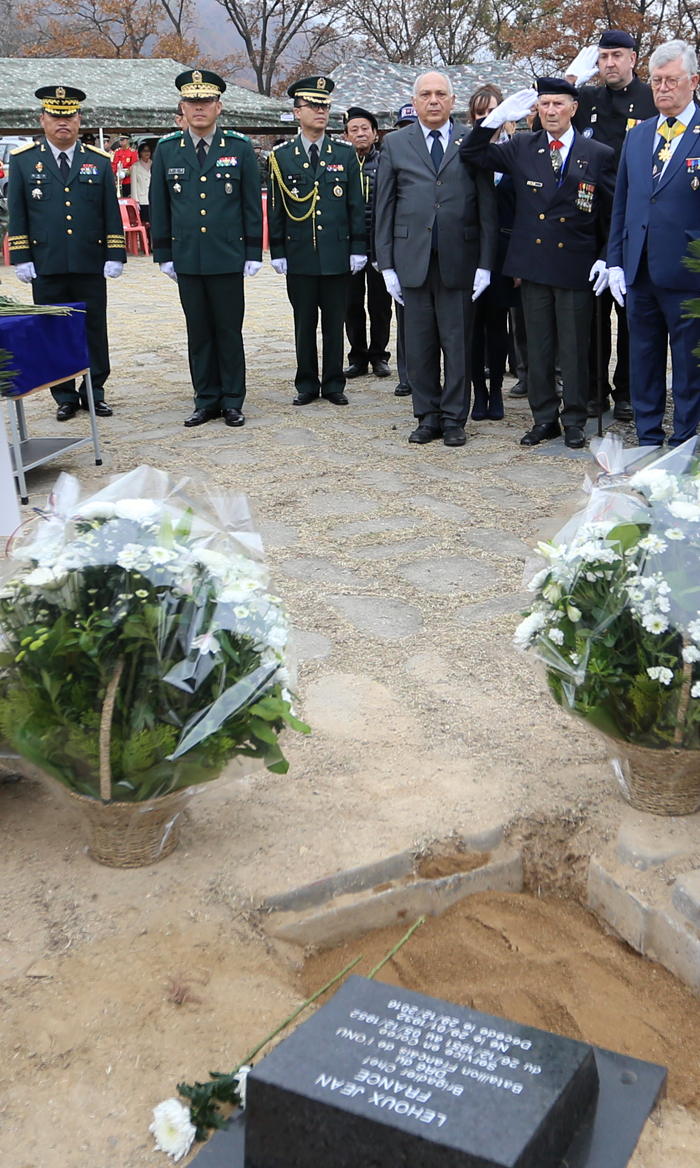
x: 654, y: 622
x: 207, y: 643
x: 674, y: 533
x: 684, y: 509
x: 160, y: 555
x: 695, y: 690
x: 100, y: 509
x: 278, y: 636
x: 172, y: 1128
x: 241, y: 1081
x: 557, y: 636
x: 654, y: 482
x: 659, y: 673
x: 527, y: 629
x: 652, y: 543
x: 140, y: 510
x: 690, y: 653
x: 130, y: 555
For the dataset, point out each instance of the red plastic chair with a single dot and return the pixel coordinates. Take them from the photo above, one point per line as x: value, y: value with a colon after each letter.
x: 134, y: 229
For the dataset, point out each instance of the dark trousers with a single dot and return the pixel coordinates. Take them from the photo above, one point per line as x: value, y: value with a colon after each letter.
x: 519, y: 333
x: 438, y: 321
x: 560, y: 315
x: 489, y: 345
x: 621, y: 377
x: 308, y: 295
x: 656, y: 315
x: 213, y: 307
x: 91, y: 289
x: 401, y: 343
x: 379, y: 312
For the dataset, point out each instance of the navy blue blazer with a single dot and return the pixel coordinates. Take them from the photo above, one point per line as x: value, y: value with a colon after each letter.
x: 559, y: 230
x: 666, y: 219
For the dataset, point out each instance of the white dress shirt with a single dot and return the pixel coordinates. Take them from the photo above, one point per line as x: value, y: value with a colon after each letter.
x: 206, y: 139
x: 445, y: 133
x: 56, y: 150
x: 307, y: 143
x: 566, y: 139
x: 686, y: 117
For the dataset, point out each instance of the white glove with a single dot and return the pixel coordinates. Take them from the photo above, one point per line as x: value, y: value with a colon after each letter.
x: 252, y: 267
x: 393, y: 285
x: 112, y: 269
x: 168, y: 269
x: 482, y: 279
x: 25, y: 272
x: 512, y: 109
x: 601, y: 275
x: 584, y: 66
x: 280, y: 266
x: 357, y: 263
x: 617, y: 284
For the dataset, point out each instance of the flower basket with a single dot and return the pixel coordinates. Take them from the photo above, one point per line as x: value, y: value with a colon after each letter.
x: 616, y: 623
x: 141, y: 653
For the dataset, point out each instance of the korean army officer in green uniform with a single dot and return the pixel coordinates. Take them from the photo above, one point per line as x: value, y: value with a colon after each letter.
x: 66, y: 231
x: 316, y: 215
x: 206, y: 221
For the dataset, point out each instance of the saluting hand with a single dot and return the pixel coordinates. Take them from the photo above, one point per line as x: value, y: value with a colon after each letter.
x: 584, y: 66
x: 512, y: 109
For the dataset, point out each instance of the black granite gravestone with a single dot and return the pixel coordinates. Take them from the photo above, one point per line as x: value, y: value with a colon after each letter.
x: 381, y: 1078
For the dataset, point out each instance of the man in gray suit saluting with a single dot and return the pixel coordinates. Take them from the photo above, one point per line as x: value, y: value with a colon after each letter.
x: 435, y: 239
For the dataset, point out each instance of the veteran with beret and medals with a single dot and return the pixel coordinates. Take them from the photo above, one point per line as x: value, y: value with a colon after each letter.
x: 65, y: 231
x: 318, y: 237
x: 206, y: 224
x: 564, y: 185
x: 656, y: 216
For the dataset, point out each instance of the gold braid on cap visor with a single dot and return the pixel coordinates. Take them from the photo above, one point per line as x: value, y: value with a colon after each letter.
x: 200, y: 89
x: 314, y: 95
x: 59, y: 106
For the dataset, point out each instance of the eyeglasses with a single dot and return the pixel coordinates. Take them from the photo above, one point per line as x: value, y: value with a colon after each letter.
x: 315, y: 105
x: 670, y: 82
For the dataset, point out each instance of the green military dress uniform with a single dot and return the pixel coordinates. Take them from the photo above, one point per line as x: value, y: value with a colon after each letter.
x: 316, y: 221
x: 207, y: 220
x: 68, y: 228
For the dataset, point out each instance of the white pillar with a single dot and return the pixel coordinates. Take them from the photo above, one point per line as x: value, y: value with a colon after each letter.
x: 9, y: 507
x: 102, y: 138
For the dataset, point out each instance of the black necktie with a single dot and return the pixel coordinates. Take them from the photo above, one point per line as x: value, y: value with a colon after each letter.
x: 63, y: 165
x: 437, y: 150
x: 313, y: 156
x: 663, y: 151
x: 201, y: 151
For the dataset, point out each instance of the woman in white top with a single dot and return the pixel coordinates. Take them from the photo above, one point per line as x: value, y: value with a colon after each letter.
x: 141, y: 180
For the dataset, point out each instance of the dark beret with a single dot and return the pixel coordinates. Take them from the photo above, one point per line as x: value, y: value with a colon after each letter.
x: 555, y: 85
x: 615, y: 38
x: 356, y: 111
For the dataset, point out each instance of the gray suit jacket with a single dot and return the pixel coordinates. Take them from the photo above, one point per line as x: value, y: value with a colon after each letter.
x: 408, y: 197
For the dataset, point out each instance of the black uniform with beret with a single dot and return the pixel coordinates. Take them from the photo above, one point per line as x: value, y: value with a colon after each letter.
x: 68, y: 227
x: 559, y: 231
x: 206, y: 218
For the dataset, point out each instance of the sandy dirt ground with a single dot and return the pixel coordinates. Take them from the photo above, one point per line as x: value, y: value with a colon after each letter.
x: 402, y: 569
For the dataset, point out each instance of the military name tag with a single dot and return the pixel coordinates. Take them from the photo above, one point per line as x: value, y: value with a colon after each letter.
x: 532, y: 183
x: 337, y: 191
x: 173, y: 170
x: 584, y: 198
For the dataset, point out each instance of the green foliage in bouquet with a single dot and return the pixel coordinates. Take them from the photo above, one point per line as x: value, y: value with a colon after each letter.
x: 123, y: 634
x: 616, y: 618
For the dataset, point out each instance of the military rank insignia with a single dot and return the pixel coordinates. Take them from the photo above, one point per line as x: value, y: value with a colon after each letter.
x: 227, y: 161
x: 693, y: 167
x: 584, y: 198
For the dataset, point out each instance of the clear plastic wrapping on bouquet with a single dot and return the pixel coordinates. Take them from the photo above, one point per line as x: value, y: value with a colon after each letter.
x: 142, y: 648
x: 615, y: 618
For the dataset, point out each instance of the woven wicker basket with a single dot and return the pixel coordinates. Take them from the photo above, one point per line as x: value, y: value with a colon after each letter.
x: 664, y: 782
x: 131, y: 835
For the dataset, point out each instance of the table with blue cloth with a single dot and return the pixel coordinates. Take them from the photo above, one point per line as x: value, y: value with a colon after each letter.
x: 44, y: 350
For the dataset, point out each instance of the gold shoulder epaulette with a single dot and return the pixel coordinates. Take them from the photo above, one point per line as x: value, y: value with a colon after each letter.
x: 97, y: 150
x: 21, y: 149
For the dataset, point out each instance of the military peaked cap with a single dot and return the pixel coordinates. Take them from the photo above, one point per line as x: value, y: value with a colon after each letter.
x: 60, y: 100
x: 315, y: 89
x: 194, y: 83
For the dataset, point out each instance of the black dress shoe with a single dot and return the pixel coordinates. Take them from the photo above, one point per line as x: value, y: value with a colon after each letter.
x: 402, y: 391
x: 623, y: 411
x: 336, y: 399
x: 101, y: 408
x: 424, y: 434
x: 540, y: 433
x: 356, y: 371
x: 592, y: 407
x: 305, y: 399
x: 233, y: 417
x: 519, y: 390
x: 454, y: 436
x: 199, y: 417
x: 574, y: 437
x: 66, y: 411
x: 381, y: 369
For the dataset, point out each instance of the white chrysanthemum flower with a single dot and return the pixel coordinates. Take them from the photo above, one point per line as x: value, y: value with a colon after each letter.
x: 527, y: 629
x: 557, y: 636
x: 685, y: 509
x: 654, y: 622
x: 661, y: 674
x: 172, y: 1128
x: 278, y: 636
x: 652, y: 543
x: 130, y: 555
x: 690, y: 653
x: 694, y: 630
x: 217, y: 563
x: 160, y: 555
x: 695, y: 690
x: 674, y: 533
x: 655, y: 482
x: 207, y: 643
x: 100, y: 509
x: 140, y: 510
x: 45, y: 578
x: 142, y: 593
x: 573, y: 613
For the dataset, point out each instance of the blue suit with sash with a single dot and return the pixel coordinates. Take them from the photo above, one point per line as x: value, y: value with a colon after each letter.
x: 651, y: 228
